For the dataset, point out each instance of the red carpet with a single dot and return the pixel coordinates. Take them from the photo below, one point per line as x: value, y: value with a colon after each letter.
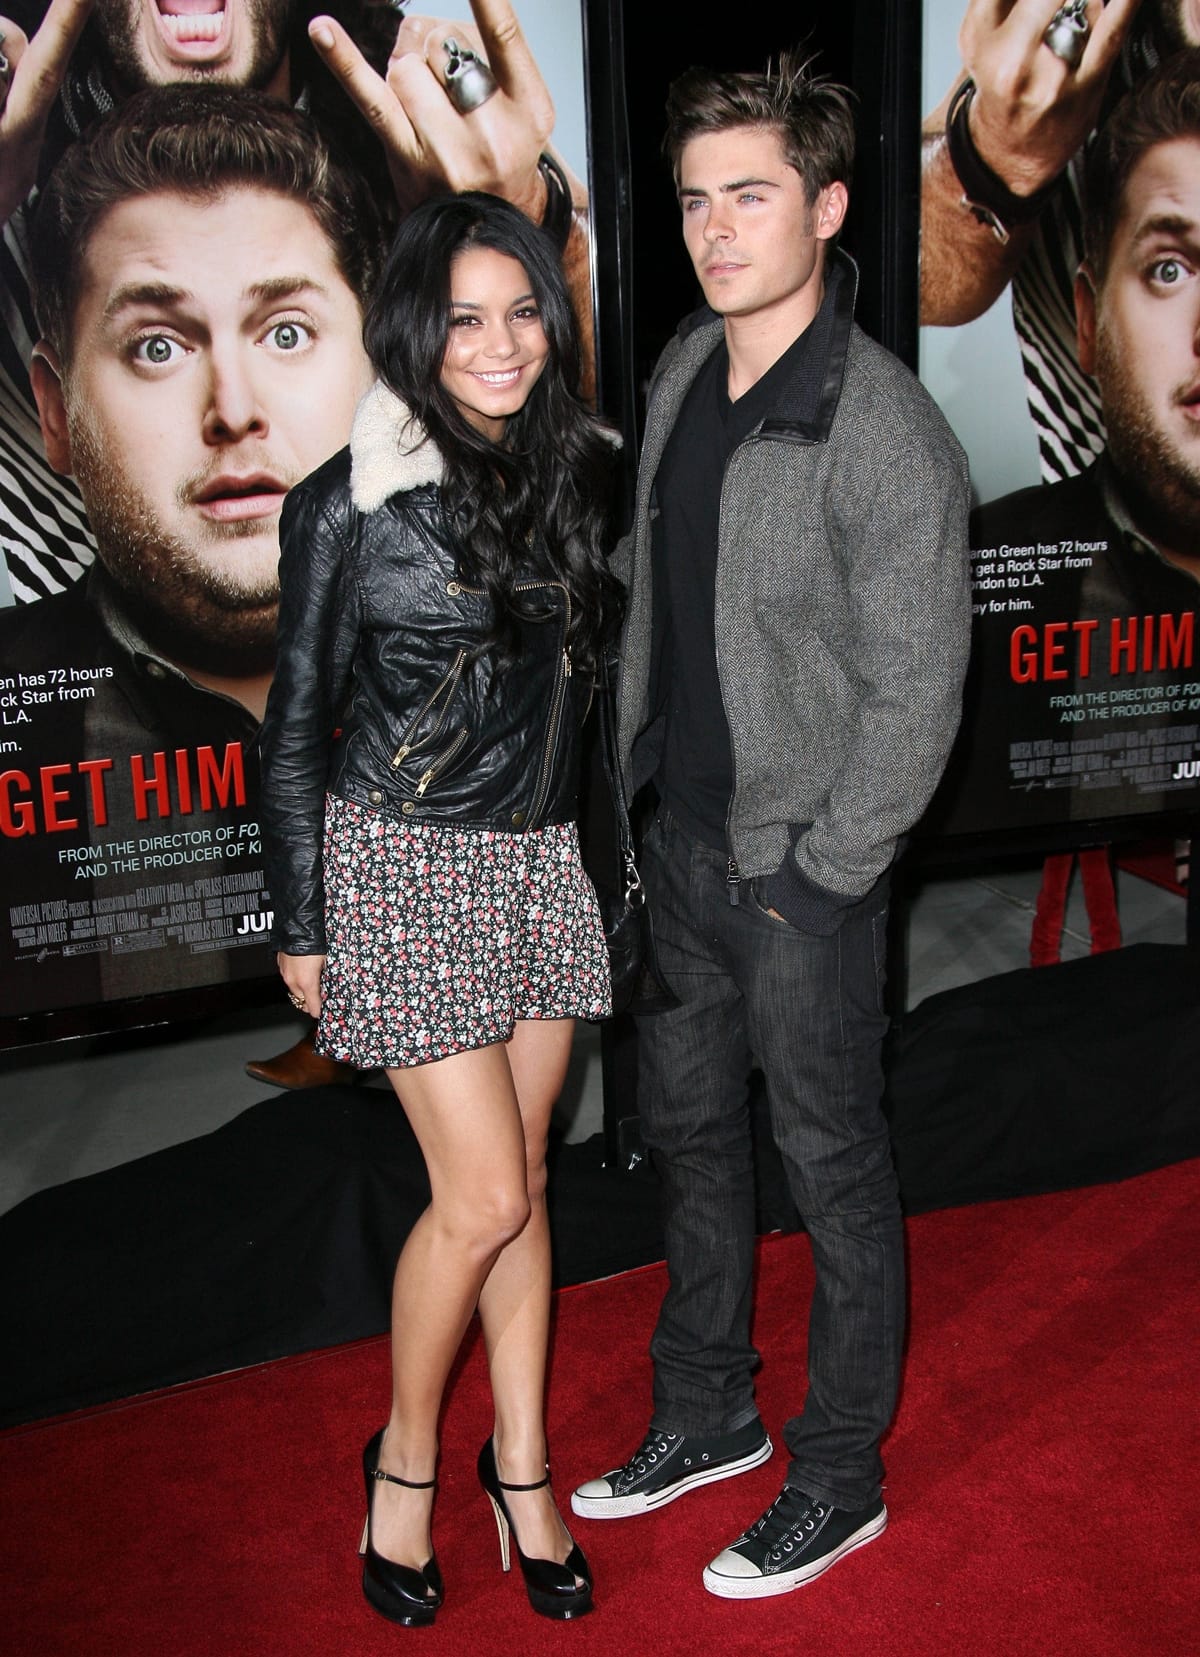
x: 1042, y: 1475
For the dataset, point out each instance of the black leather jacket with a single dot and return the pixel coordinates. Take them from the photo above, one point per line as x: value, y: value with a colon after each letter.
x: 378, y: 633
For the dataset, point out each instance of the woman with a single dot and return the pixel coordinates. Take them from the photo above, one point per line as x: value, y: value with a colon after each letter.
x: 445, y: 598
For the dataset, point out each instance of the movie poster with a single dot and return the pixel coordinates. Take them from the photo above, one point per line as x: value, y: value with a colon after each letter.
x: 1060, y: 340
x: 210, y: 357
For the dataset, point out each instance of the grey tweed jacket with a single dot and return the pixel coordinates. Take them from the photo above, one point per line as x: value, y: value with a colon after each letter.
x: 842, y: 615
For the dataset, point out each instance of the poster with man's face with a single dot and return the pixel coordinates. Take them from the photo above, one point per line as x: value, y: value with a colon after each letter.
x: 210, y: 357
x: 1068, y: 349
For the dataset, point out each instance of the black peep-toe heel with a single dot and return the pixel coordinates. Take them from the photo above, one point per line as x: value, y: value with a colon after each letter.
x: 402, y: 1593
x: 554, y: 1590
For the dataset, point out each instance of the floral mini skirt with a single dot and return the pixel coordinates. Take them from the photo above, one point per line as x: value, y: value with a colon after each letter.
x: 440, y: 938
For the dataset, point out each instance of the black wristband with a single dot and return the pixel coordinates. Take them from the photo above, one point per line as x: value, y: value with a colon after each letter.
x: 559, y: 211
x: 985, y: 195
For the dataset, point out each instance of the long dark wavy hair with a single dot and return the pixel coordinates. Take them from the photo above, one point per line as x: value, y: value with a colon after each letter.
x: 539, y: 498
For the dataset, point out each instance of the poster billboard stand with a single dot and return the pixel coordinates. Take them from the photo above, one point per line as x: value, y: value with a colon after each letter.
x: 132, y: 890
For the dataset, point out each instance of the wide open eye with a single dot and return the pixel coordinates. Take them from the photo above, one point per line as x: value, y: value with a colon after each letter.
x: 1167, y: 272
x: 289, y: 336
x: 157, y: 350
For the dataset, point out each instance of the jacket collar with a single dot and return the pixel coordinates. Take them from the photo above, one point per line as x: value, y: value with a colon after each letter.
x: 389, y: 450
x: 793, y: 419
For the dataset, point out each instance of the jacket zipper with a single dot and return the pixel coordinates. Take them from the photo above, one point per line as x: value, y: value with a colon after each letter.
x: 561, y: 677
x: 733, y: 874
x: 407, y: 746
x: 440, y: 763
x: 562, y: 674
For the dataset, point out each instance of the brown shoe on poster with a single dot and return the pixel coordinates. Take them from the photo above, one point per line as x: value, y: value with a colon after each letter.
x: 300, y: 1067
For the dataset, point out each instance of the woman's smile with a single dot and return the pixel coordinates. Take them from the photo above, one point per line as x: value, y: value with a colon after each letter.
x: 496, y: 347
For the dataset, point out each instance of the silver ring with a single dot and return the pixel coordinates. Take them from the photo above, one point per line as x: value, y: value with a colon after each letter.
x: 1067, y: 33
x: 469, y: 81
x: 5, y: 76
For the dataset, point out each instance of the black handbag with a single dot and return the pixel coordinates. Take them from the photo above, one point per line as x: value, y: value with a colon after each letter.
x: 636, y: 984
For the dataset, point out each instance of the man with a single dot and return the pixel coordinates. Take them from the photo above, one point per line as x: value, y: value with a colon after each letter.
x: 400, y: 123
x: 790, y: 683
x: 1015, y: 124
x: 200, y: 265
x: 1108, y: 562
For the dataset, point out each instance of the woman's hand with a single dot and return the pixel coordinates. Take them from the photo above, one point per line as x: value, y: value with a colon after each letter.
x: 302, y: 975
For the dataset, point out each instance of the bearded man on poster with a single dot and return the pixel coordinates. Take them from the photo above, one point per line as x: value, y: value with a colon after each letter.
x: 200, y: 266
x: 1001, y: 180
x: 401, y: 122
x: 1120, y: 543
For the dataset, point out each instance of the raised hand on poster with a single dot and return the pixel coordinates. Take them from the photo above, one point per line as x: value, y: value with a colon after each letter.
x: 1032, y: 110
x: 431, y: 146
x: 1029, y: 114
x: 27, y: 92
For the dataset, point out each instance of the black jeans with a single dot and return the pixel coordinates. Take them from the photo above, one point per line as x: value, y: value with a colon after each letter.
x: 809, y: 1011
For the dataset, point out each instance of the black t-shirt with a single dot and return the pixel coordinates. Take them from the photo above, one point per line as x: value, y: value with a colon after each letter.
x: 695, y: 775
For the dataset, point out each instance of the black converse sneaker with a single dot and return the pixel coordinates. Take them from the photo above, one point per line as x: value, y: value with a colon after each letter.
x: 795, y: 1540
x: 667, y: 1465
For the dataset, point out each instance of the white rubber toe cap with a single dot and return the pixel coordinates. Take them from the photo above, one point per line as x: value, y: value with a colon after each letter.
x: 595, y: 1490
x: 728, y: 1563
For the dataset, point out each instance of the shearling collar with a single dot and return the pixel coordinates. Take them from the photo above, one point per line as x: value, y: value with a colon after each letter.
x: 389, y: 450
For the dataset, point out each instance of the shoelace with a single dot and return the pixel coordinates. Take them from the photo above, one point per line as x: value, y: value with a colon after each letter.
x: 654, y: 1445
x: 785, y: 1522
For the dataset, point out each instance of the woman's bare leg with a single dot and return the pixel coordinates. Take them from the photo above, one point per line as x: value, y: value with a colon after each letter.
x: 465, y: 1115
x: 514, y: 1304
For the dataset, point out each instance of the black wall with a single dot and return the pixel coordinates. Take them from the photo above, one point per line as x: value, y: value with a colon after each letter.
x: 874, y: 47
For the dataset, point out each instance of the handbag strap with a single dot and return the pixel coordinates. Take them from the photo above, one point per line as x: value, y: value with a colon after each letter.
x: 611, y: 760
